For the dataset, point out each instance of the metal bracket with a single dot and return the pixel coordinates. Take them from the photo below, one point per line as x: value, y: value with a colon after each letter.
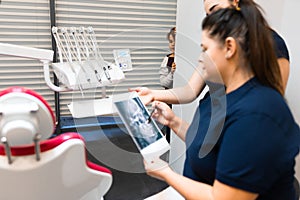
x: 7, y: 149
x: 37, y: 147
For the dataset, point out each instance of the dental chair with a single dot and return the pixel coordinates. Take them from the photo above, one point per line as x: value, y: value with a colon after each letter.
x: 34, y: 167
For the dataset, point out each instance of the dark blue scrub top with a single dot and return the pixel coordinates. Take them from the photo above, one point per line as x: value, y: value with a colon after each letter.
x: 280, y: 46
x: 254, y: 149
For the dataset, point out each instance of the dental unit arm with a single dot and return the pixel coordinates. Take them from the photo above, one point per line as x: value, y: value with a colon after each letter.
x: 43, y: 55
x: 80, y: 67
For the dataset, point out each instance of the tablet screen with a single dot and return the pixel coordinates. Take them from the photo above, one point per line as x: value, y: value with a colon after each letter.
x: 136, y: 115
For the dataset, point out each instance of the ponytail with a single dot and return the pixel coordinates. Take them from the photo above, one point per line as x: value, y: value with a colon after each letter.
x: 262, y: 55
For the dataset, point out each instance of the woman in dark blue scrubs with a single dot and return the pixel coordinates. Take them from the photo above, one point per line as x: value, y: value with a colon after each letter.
x: 243, y: 139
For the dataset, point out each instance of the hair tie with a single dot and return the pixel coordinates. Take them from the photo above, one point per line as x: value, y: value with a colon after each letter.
x: 237, y: 6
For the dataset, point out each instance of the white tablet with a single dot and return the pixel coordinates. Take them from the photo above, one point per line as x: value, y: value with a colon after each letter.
x: 145, y: 133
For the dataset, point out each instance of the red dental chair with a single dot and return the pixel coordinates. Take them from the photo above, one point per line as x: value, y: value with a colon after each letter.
x: 33, y: 167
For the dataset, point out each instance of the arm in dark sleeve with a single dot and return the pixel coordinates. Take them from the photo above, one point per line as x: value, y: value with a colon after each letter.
x: 280, y: 46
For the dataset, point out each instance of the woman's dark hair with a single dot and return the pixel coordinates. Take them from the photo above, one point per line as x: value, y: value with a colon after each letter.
x: 171, y: 32
x: 252, y: 32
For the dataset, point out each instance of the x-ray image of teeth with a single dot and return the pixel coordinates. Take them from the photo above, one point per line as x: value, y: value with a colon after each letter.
x: 145, y: 132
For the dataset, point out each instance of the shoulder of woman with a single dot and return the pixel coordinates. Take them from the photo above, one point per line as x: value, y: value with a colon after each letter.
x: 268, y: 102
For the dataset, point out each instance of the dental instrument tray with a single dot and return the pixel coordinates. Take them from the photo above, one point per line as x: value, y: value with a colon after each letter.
x: 81, y: 64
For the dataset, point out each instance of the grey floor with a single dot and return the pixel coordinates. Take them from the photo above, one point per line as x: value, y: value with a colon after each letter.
x: 133, y: 185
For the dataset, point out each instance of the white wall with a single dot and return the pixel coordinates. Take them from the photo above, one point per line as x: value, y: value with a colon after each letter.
x: 189, y: 16
x: 282, y: 16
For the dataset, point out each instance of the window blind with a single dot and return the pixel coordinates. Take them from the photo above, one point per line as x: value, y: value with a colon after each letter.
x: 138, y: 25
x: 25, y: 23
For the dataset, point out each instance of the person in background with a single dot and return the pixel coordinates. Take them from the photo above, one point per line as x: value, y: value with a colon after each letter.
x: 166, y: 72
x: 168, y: 66
x: 254, y: 155
x: 196, y: 84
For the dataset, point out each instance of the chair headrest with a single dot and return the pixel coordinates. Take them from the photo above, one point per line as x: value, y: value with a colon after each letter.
x: 23, y: 114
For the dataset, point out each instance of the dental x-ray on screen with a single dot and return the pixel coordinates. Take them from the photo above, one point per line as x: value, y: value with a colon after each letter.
x: 145, y: 133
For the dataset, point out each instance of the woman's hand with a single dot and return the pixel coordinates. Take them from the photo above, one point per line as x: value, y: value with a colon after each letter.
x: 144, y: 93
x: 163, y: 113
x: 157, y: 168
